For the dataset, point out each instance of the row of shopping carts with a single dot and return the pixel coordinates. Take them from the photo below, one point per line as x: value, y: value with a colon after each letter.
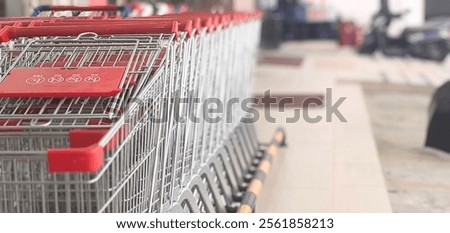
x: 104, y: 114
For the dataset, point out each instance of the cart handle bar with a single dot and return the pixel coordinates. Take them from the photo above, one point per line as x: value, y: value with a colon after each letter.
x: 8, y: 33
x: 85, y: 155
x: 185, y: 25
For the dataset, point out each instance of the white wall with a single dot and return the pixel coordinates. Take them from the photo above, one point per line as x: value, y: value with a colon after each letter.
x: 13, y: 8
x: 415, y: 17
x: 359, y: 11
x: 244, y: 5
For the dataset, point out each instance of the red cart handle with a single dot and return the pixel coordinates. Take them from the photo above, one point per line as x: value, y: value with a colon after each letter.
x: 86, y: 152
x: 8, y: 33
x: 184, y: 21
x: 185, y: 25
x: 89, y: 159
x: 209, y: 20
x: 84, y: 155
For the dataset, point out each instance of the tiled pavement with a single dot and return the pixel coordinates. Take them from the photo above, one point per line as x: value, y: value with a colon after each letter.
x: 331, y: 166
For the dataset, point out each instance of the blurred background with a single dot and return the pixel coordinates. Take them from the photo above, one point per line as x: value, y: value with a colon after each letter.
x: 387, y: 58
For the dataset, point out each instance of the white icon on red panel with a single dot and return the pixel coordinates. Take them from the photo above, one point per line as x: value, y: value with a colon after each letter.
x: 75, y: 78
x: 57, y: 78
x: 36, y: 79
x: 94, y: 78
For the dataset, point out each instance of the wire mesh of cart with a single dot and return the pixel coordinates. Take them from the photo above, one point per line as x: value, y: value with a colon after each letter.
x: 176, y: 162
x: 119, y: 158
x: 223, y: 80
x: 173, y: 170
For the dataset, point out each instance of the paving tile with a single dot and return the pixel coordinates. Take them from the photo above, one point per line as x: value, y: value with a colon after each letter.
x: 296, y: 200
x: 357, y: 175
x: 295, y: 174
x: 354, y: 153
x: 360, y: 200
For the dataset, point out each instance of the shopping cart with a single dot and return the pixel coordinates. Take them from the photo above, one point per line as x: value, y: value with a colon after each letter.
x: 73, y: 114
x: 69, y: 144
x: 224, y: 85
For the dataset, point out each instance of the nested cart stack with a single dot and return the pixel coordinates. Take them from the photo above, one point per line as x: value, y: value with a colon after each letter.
x: 96, y: 114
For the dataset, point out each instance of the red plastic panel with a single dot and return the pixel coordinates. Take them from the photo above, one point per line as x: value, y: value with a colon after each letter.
x: 58, y: 82
x: 88, y: 159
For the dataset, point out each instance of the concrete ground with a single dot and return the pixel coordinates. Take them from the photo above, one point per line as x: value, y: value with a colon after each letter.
x: 374, y: 162
x: 417, y: 178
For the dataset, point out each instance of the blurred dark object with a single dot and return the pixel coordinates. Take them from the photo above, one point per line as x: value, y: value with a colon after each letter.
x: 437, y: 8
x: 271, y: 32
x: 211, y: 4
x: 296, y: 25
x: 377, y: 38
x: 439, y: 126
x: 430, y: 41
x: 294, y: 16
x: 311, y: 31
x: 292, y: 11
x: 2, y: 8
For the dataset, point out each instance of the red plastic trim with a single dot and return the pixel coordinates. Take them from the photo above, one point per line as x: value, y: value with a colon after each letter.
x: 87, y: 160
x: 8, y: 32
x: 45, y: 82
x: 225, y: 20
x: 185, y: 24
x: 187, y: 27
